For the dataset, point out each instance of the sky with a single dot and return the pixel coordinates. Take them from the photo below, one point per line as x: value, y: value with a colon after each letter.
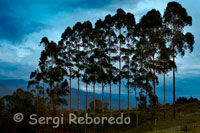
x: 24, y: 22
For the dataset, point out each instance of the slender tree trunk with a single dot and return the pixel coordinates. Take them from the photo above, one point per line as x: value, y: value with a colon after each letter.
x: 154, y: 84
x: 70, y: 87
x: 102, y: 99
x: 136, y: 104
x: 136, y: 107
x: 110, y: 104
x: 119, y: 76
x: 174, y: 105
x: 78, y: 97
x: 86, y: 98
x: 102, y: 104
x: 94, y: 98
x: 128, y: 90
x: 94, y: 105
x: 110, y: 99
x: 128, y: 101
x: 154, y: 78
x: 86, y: 108
x: 110, y: 72
x: 78, y: 86
x: 164, y: 98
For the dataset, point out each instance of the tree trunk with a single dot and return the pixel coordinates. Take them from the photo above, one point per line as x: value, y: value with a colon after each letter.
x: 128, y: 101
x: 174, y: 106
x: 110, y: 100
x: 102, y: 104
x: 70, y: 87
x: 136, y: 104
x: 119, y: 75
x: 94, y: 99
x: 86, y: 99
x: 78, y: 97
x: 154, y: 84
x: 102, y: 99
x: 110, y: 78
x: 86, y: 109
x: 164, y: 97
x: 128, y: 90
x: 94, y: 105
x: 136, y: 108
x: 154, y: 78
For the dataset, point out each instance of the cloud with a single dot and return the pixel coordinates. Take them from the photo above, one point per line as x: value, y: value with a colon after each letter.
x: 24, y: 22
x: 13, y: 70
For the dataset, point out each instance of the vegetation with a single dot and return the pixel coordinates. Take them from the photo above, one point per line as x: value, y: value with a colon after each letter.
x: 113, y: 50
x: 184, y: 100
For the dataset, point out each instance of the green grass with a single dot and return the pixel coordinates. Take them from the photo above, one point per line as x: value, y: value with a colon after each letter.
x: 165, y: 132
x: 186, y: 122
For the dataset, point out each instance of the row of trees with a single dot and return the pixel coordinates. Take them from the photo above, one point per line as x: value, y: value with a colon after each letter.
x: 115, y: 49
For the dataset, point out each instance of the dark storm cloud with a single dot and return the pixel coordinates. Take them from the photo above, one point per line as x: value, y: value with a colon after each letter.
x: 21, y: 17
x: 15, y: 21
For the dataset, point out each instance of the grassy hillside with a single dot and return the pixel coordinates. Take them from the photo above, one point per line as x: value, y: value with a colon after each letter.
x: 188, y: 119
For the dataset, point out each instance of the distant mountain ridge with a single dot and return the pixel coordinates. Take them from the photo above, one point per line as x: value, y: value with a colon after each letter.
x: 7, y: 87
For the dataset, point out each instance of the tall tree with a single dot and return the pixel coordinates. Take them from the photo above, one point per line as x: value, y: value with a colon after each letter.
x: 110, y: 39
x: 128, y: 50
x: 78, y: 55
x: 119, y: 20
x: 52, y: 73
x: 66, y: 52
x: 166, y: 65
x: 93, y: 72
x: 101, y: 56
x: 176, y: 18
x: 87, y: 46
x: 151, y: 30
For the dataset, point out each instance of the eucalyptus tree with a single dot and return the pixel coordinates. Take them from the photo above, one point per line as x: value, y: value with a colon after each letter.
x: 35, y: 81
x: 176, y: 18
x: 87, y: 48
x: 110, y: 39
x: 136, y: 80
x: 51, y: 72
x: 119, y: 20
x: 137, y: 65
x: 78, y: 55
x: 66, y: 52
x: 166, y: 65
x: 137, y: 69
x: 93, y: 72
x: 129, y: 49
x: 152, y: 29
x: 101, y: 55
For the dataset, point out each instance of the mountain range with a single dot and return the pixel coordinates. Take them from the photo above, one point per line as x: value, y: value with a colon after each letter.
x: 7, y: 87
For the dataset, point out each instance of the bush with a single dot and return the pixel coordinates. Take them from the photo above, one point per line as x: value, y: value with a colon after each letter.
x: 183, y: 100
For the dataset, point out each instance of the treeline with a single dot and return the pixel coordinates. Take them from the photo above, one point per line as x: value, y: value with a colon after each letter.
x: 184, y: 100
x: 116, y: 48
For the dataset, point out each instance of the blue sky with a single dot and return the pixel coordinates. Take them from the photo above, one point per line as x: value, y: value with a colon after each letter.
x: 24, y: 22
